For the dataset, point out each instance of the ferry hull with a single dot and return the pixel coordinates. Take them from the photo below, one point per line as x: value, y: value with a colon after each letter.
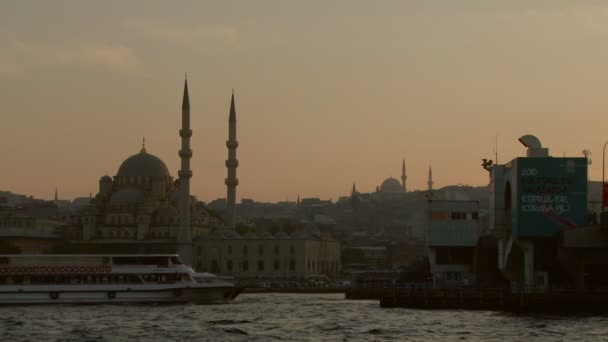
x: 208, y: 295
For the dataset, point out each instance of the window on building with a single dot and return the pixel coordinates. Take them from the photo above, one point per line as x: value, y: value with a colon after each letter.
x: 260, y: 250
x: 229, y: 249
x: 260, y: 265
x: 292, y: 250
x: 475, y: 216
x: 453, y: 276
x: 277, y: 250
x: 245, y: 265
x: 277, y: 265
x: 229, y: 265
x: 245, y: 250
x: 214, y: 266
x: 292, y: 265
x: 459, y: 216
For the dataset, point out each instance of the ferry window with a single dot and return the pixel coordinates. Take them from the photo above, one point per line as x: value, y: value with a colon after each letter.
x: 125, y: 260
x: 475, y: 216
x: 159, y: 261
x: 175, y: 261
x: 3, y: 261
x: 261, y: 265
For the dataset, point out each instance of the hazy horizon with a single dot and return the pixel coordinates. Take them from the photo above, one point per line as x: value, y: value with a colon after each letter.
x: 326, y: 93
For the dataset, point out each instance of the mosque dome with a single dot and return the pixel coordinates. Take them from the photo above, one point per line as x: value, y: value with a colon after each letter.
x: 127, y: 196
x: 106, y: 179
x: 143, y: 164
x: 391, y: 185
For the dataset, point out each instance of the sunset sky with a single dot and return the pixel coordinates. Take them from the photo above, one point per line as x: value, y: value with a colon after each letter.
x: 327, y: 92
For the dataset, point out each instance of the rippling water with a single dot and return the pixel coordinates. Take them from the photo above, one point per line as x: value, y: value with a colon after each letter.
x: 286, y: 317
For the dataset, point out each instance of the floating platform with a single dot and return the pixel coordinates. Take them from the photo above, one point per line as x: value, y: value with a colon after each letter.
x: 497, y: 300
x: 294, y: 290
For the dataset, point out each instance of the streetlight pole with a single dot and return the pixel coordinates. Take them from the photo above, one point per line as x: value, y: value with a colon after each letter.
x: 603, y: 175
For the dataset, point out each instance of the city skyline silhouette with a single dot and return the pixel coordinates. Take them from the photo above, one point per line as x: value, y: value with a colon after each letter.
x: 327, y: 94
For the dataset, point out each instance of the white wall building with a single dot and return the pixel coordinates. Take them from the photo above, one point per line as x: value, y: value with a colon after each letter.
x: 280, y: 256
x: 452, y: 234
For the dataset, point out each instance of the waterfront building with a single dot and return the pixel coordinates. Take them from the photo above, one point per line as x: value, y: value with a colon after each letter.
x: 534, y: 200
x: 27, y: 234
x: 452, y: 234
x: 258, y: 254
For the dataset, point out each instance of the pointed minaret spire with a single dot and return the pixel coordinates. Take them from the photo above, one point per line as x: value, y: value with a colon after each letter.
x: 186, y: 98
x: 184, y: 236
x: 232, y: 115
x: 403, y: 177
x: 231, y: 164
x: 430, y: 181
x: 353, y: 192
x: 56, y: 195
x: 143, y: 145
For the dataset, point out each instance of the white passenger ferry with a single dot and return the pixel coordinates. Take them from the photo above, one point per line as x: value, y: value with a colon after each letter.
x: 77, y: 278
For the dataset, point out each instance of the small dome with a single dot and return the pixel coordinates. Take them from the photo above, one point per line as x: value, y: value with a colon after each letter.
x: 143, y: 164
x: 105, y: 179
x: 391, y: 185
x: 127, y: 196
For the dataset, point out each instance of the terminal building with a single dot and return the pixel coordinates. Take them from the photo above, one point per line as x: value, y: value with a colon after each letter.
x: 538, y: 236
x: 533, y: 200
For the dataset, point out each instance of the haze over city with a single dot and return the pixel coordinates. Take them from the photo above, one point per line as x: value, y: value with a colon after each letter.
x: 327, y: 93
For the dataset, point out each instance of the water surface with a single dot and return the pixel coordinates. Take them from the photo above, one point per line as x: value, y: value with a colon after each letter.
x: 286, y: 317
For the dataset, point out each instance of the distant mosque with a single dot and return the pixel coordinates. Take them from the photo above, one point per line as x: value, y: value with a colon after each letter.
x: 391, y: 187
x: 143, y: 209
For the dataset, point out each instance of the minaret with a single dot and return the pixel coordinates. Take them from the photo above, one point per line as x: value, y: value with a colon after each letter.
x: 353, y: 192
x: 184, y: 238
x: 430, y: 181
x: 403, y: 177
x: 56, y: 195
x: 231, y: 164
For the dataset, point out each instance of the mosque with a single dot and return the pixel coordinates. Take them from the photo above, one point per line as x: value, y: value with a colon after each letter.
x: 393, y: 188
x: 392, y: 185
x: 143, y: 208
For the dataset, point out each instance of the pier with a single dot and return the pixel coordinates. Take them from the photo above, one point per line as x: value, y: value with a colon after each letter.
x: 497, y: 299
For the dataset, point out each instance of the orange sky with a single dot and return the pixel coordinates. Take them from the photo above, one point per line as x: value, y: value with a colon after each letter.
x: 327, y: 93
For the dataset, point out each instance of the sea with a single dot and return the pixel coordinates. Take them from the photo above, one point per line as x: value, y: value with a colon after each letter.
x: 287, y: 317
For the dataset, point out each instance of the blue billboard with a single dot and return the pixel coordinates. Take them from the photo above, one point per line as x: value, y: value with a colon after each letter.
x: 551, y: 195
